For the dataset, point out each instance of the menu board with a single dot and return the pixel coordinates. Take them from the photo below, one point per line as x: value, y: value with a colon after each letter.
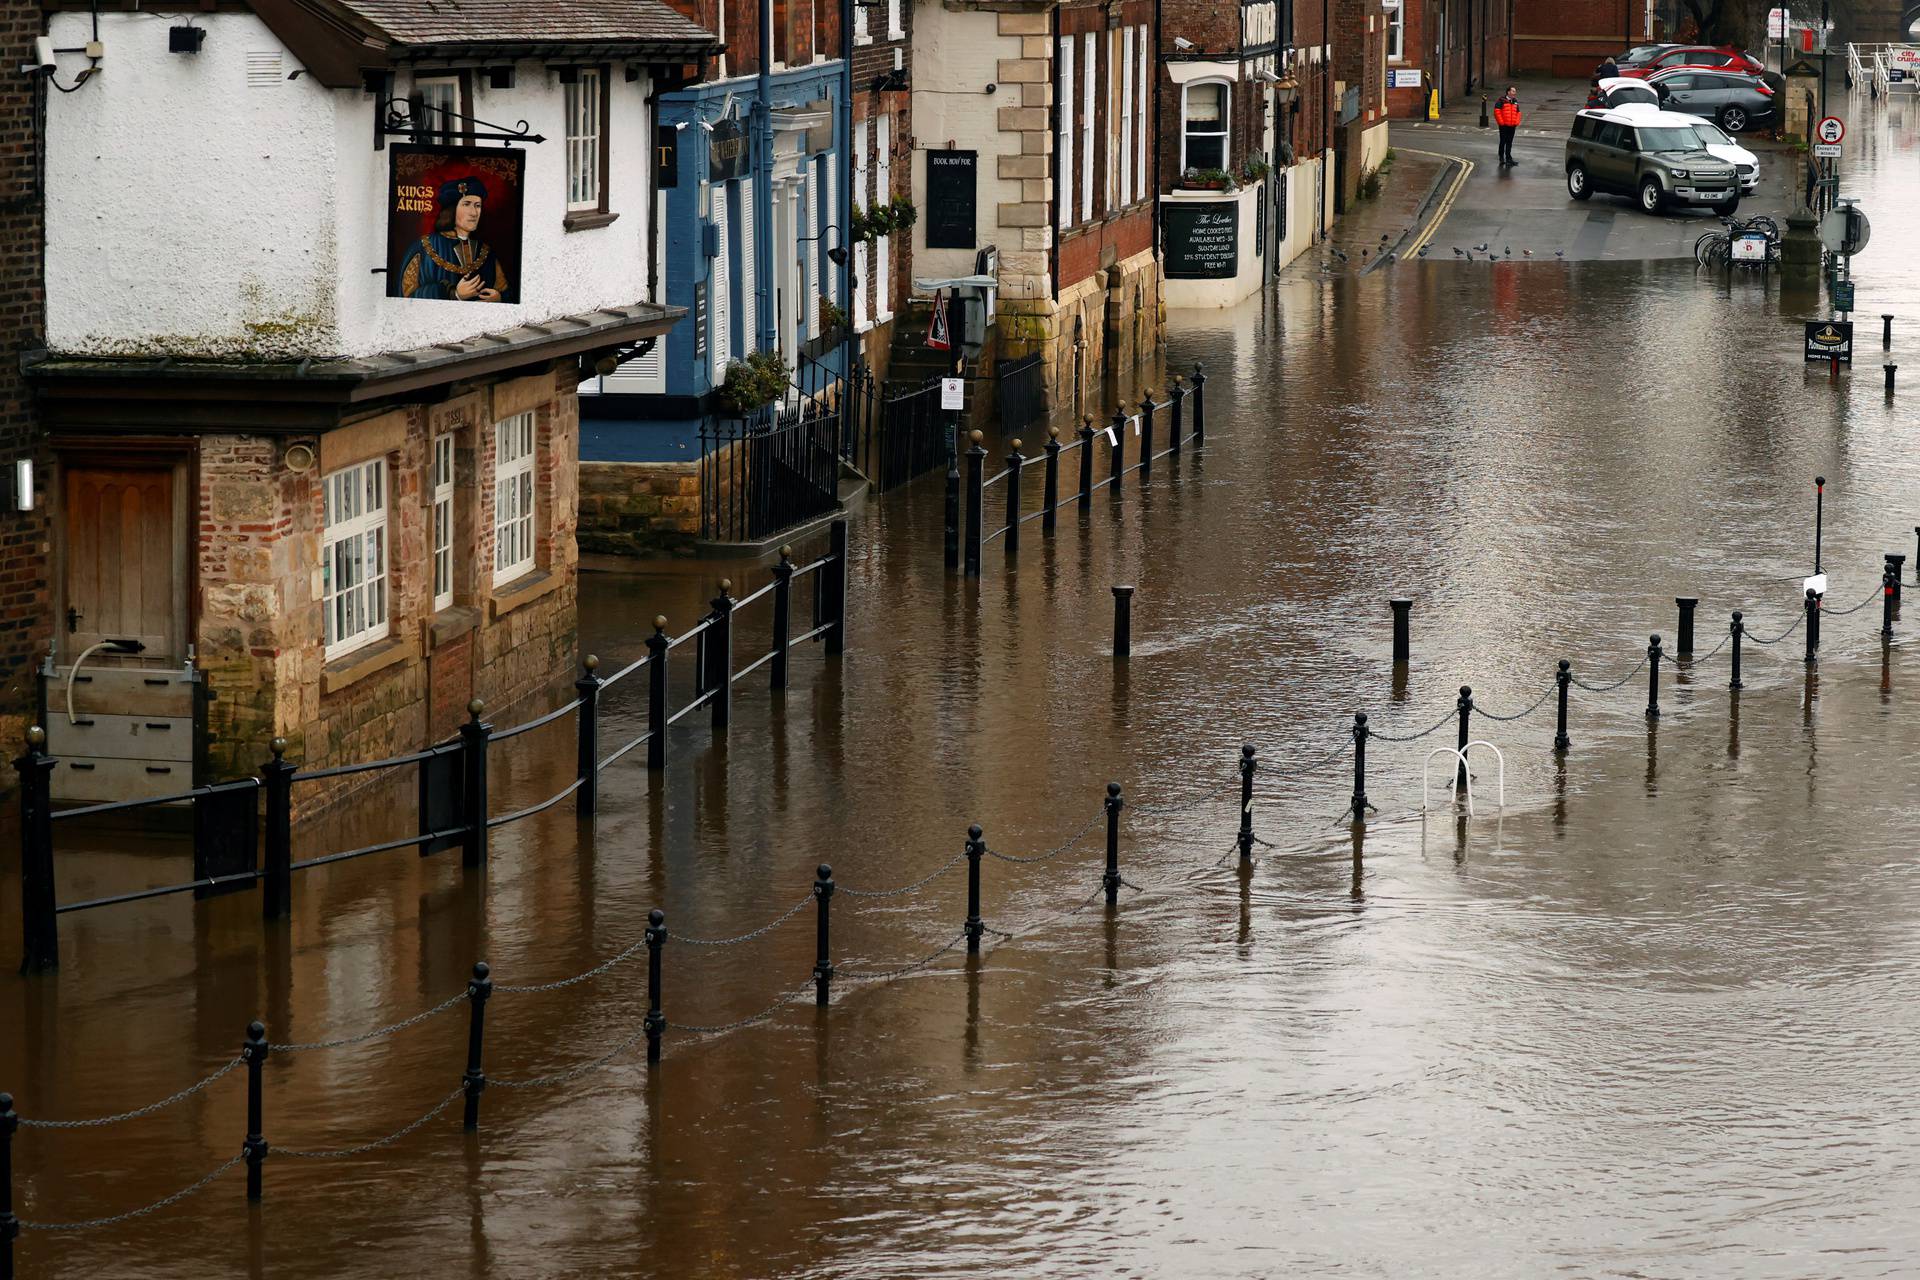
x: 951, y: 200
x: 1201, y: 239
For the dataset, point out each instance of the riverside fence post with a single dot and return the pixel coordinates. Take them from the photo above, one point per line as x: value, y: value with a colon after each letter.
x: 1687, y: 605
x: 1014, y: 463
x: 479, y: 988
x: 1050, y: 487
x: 1889, y: 370
x: 1176, y: 400
x: 656, y: 1022
x: 1174, y: 442
x: 1247, y: 766
x: 822, y: 964
x: 1897, y: 564
x: 276, y: 886
x: 1739, y: 628
x: 1146, y: 440
x: 1886, y: 602
x: 254, y: 1050
x: 9, y: 1224
x: 1086, y: 467
x: 1117, y: 456
x: 783, y: 616
x: 974, y: 928
x: 1819, y: 513
x: 474, y: 735
x: 39, y: 913
x: 1813, y: 624
x: 1464, y: 705
x: 1653, y: 677
x: 588, y: 687
x: 1886, y: 331
x: 1402, y: 630
x: 952, y: 543
x: 657, y: 694
x: 976, y: 458
x: 837, y: 588
x: 1360, y: 806
x: 1122, y: 622
x: 1563, y: 678
x: 1199, y: 406
x: 1111, y: 880
x: 719, y: 655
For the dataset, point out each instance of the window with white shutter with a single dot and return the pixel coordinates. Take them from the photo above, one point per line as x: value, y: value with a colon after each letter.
x: 720, y: 291
x: 353, y: 557
x: 442, y: 478
x: 862, y: 199
x: 1063, y: 137
x: 584, y: 108
x: 1087, y: 78
x: 512, y: 497
x: 1126, y: 116
x: 749, y: 265
x: 1141, y: 84
x: 882, y: 194
x: 810, y: 320
x: 831, y: 215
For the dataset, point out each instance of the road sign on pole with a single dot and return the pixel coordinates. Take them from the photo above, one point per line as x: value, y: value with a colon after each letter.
x: 1845, y: 230
x: 1830, y: 130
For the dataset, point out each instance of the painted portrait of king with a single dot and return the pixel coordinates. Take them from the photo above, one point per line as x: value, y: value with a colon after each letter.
x: 452, y: 262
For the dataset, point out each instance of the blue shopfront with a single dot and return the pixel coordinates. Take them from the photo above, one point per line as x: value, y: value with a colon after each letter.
x: 747, y: 177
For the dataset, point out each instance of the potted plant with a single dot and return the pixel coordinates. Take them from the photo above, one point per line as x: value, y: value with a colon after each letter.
x: 1207, y: 180
x: 1255, y: 169
x: 753, y: 383
x: 903, y: 213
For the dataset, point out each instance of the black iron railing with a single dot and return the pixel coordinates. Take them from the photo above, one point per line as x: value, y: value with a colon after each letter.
x: 761, y: 475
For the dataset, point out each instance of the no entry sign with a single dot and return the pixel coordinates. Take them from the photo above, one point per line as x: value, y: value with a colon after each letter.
x: 1830, y: 130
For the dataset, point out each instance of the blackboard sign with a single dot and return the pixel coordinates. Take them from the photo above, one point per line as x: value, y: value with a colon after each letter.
x: 1830, y: 340
x: 951, y: 200
x: 1202, y: 239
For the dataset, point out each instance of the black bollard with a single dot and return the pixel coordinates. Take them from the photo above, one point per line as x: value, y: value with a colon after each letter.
x: 834, y: 643
x: 1483, y: 111
x: 657, y: 694
x: 822, y: 962
x: 783, y: 618
x: 1653, y: 677
x: 1687, y: 605
x: 656, y: 1022
x: 1050, y: 488
x: 1122, y: 622
x: 975, y: 847
x: 1897, y: 563
x: 1886, y: 331
x: 1199, y: 406
x: 276, y: 884
x: 1739, y: 629
x: 1174, y: 442
x: 970, y: 543
x: 587, y: 758
x: 950, y: 548
x: 1146, y: 440
x: 1358, y: 806
x: 1819, y: 512
x: 1889, y: 370
x: 1086, y: 466
x: 254, y: 1050
x: 719, y: 653
x: 1014, y: 462
x: 1177, y: 399
x: 1117, y: 456
x: 479, y: 988
x: 475, y: 734
x: 39, y: 910
x: 1565, y: 680
x: 1111, y: 880
x: 1886, y: 602
x: 1813, y: 624
x: 1464, y: 705
x: 1247, y: 767
x: 1402, y: 629
x: 9, y: 1224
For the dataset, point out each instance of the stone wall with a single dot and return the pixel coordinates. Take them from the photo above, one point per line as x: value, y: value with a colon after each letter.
x: 633, y: 508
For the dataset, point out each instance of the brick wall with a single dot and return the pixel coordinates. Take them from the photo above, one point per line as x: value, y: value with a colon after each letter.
x: 1571, y: 37
x: 25, y: 624
x: 633, y: 508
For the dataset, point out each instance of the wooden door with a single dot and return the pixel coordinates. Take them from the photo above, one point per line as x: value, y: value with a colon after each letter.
x: 125, y: 562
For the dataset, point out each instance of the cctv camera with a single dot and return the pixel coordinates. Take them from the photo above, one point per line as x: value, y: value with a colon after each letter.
x: 1182, y: 43
x: 43, y: 53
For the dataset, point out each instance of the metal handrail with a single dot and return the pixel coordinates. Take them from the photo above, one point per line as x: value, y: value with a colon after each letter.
x: 537, y: 722
x: 139, y: 895
x: 116, y: 806
x: 342, y: 770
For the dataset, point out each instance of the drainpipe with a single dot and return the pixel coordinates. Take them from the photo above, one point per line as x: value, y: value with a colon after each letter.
x: 763, y: 316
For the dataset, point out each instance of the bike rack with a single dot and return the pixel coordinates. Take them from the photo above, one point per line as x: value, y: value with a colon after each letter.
x: 1460, y: 756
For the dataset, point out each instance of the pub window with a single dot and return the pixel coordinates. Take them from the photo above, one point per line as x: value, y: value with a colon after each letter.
x: 1063, y: 142
x: 586, y: 119
x: 439, y: 108
x: 1203, y: 126
x: 353, y: 557
x: 442, y: 478
x: 512, y: 497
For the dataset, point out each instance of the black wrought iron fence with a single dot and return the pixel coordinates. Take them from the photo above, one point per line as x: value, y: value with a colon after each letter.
x: 1022, y: 392
x: 759, y: 476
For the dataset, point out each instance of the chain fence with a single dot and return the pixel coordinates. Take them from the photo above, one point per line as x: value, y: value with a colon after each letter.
x: 339, y: 1153
x: 137, y: 1113
x: 392, y: 1028
x: 114, y: 1220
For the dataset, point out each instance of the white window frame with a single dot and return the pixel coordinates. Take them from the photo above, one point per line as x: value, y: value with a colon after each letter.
x: 1396, y: 29
x: 436, y: 125
x: 862, y: 32
x: 1225, y: 132
x: 895, y: 31
x: 1089, y: 78
x: 882, y: 196
x: 585, y: 182
x: 1126, y: 116
x: 440, y: 519
x: 354, y: 538
x: 1141, y: 83
x: 862, y: 199
x: 1063, y: 137
x: 515, y: 445
x: 748, y: 269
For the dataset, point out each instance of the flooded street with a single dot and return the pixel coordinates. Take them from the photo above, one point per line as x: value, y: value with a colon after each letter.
x: 1653, y: 1019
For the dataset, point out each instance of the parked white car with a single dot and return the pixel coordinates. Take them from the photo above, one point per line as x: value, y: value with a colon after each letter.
x: 1717, y: 142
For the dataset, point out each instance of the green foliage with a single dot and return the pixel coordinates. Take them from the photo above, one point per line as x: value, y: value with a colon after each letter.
x: 754, y: 383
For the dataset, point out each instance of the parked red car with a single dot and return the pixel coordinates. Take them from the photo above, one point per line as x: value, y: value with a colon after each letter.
x: 1699, y: 57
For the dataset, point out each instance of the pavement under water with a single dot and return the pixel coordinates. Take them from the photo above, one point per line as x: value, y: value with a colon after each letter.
x: 1649, y: 1020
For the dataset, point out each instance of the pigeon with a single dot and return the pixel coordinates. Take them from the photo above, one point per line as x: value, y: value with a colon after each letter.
x: 1423, y: 251
x: 1456, y: 251
x: 1526, y: 253
x: 1509, y: 252
x: 1559, y: 253
x: 1483, y: 248
x: 1343, y: 257
x: 1383, y: 237
x: 1364, y: 253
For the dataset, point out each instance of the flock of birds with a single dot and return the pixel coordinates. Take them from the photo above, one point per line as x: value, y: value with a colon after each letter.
x: 1458, y: 252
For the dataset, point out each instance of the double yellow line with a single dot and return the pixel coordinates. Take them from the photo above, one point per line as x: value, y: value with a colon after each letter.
x: 1445, y: 206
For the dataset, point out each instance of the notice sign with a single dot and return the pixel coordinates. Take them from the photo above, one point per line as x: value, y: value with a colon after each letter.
x: 453, y: 224
x: 953, y: 393
x: 1830, y: 340
x: 1201, y: 239
x: 951, y: 199
x: 1826, y: 150
x: 1403, y: 79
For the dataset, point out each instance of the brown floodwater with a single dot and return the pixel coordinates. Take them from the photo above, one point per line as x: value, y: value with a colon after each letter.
x: 1651, y: 1018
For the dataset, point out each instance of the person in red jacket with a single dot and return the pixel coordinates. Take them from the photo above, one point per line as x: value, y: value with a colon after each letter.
x: 1507, y: 116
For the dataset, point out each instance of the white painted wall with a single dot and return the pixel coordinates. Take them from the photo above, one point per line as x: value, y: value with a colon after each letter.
x: 958, y: 53
x: 190, y: 214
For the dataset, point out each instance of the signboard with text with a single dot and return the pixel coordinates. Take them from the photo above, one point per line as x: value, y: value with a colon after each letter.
x: 453, y: 223
x: 1201, y: 239
x: 1830, y: 340
x: 952, y: 199
x: 1404, y: 79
